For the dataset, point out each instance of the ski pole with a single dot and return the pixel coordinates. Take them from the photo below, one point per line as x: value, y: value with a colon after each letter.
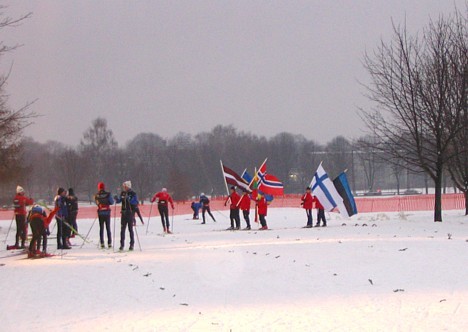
x: 172, y: 222
x: 138, y: 238
x: 88, y: 232
x: 115, y: 216
x: 9, y: 228
x: 222, y: 214
x: 149, y: 216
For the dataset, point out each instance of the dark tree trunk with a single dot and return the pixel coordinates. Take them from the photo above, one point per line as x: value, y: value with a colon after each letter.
x: 466, y: 202
x: 438, y: 197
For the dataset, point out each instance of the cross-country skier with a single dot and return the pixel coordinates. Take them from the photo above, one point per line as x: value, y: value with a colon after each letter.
x: 195, y: 206
x: 234, y: 209
x: 307, y: 203
x: 244, y: 205
x: 104, y: 201
x: 262, y: 207
x: 20, y: 201
x: 163, y: 199
x: 129, y: 201
x: 39, y: 222
x: 205, y: 204
x: 72, y: 205
x: 320, y: 213
x: 63, y: 231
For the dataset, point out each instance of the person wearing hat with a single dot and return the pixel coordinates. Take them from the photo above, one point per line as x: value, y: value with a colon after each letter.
x: 262, y: 207
x: 307, y: 203
x: 20, y: 201
x: 205, y: 204
x: 61, y: 217
x: 163, y: 199
x: 72, y: 206
x: 129, y: 201
x: 39, y: 222
x: 234, y: 209
x: 104, y: 201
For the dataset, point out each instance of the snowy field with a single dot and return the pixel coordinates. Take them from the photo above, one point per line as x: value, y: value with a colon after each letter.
x: 401, y: 272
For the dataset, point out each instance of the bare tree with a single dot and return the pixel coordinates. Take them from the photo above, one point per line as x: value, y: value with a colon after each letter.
x: 150, y: 162
x: 12, y: 121
x: 412, y: 85
x: 97, y: 147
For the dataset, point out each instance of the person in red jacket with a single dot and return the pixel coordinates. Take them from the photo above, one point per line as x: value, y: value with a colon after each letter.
x: 262, y: 207
x: 307, y: 203
x: 162, y: 198
x: 244, y: 205
x: 39, y: 222
x: 320, y: 213
x: 234, y: 209
x: 20, y: 202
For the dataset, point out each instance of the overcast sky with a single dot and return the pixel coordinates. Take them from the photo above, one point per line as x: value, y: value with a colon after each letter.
x: 185, y: 66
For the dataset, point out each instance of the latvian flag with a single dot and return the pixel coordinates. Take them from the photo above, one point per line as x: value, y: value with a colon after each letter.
x: 268, y: 183
x: 233, y: 179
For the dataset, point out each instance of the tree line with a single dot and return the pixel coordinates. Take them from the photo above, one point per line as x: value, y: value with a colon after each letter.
x: 188, y: 165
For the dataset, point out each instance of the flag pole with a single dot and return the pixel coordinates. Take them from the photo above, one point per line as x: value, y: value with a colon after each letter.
x: 255, y: 175
x: 224, y: 178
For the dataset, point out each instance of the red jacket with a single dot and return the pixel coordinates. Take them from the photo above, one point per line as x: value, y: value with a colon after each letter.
x: 20, y: 201
x: 45, y: 219
x: 234, y: 200
x: 318, y: 205
x: 307, y: 201
x: 244, y: 202
x: 262, y: 206
x: 163, y: 198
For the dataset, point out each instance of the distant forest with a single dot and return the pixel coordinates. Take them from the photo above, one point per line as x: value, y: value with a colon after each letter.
x: 188, y: 165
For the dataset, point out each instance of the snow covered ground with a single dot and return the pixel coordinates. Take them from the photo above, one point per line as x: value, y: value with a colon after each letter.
x: 401, y: 272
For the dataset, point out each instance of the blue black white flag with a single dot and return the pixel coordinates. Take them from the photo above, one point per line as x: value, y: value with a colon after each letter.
x: 342, y: 186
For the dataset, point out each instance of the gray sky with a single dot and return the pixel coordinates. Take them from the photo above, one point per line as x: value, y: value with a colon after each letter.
x: 185, y: 66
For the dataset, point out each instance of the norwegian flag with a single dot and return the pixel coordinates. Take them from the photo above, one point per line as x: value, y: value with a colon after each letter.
x: 268, y: 183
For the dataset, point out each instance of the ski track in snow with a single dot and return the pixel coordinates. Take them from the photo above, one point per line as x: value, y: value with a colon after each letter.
x: 404, y: 273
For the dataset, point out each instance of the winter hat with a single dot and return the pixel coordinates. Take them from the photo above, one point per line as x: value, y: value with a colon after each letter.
x: 233, y: 187
x: 70, y: 191
x: 164, y: 190
x: 60, y: 191
x: 19, y: 190
x: 101, y: 186
x: 202, y: 194
x: 127, y: 184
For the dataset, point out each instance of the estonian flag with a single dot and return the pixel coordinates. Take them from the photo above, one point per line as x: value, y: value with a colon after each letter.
x: 342, y: 186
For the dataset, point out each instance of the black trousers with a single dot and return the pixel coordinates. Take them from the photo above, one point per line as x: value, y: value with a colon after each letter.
x: 21, y: 229
x: 235, y: 218
x: 63, y: 232
x: 164, y: 213
x: 246, y: 214
x: 262, y: 220
x: 126, y: 221
x: 104, y: 221
x: 321, y: 217
x: 38, y: 231
x: 207, y: 209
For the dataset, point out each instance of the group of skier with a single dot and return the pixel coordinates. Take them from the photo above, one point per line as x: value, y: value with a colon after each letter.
x: 242, y: 203
x: 66, y: 210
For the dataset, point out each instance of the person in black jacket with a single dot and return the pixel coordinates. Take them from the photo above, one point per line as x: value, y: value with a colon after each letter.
x: 205, y: 203
x: 104, y: 201
x: 72, y: 206
x: 129, y: 201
